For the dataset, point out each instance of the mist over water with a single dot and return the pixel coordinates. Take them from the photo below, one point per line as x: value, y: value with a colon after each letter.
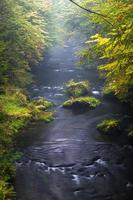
x: 67, y: 158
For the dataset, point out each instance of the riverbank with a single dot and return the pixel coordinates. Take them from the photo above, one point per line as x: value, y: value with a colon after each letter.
x: 17, y: 112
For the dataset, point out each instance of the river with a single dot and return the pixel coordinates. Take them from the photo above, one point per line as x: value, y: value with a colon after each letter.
x: 67, y: 159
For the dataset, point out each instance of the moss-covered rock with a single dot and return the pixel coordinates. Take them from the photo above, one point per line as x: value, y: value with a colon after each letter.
x: 77, y: 89
x: 109, y: 126
x: 82, y: 102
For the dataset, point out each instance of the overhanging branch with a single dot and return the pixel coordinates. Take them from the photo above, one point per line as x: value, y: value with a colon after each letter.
x: 92, y: 12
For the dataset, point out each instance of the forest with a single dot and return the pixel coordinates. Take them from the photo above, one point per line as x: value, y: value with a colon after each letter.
x: 87, y: 38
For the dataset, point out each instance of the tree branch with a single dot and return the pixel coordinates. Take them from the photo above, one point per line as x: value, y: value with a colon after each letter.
x: 92, y: 12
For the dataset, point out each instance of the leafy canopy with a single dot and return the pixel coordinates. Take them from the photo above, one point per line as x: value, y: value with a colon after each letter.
x: 113, y: 45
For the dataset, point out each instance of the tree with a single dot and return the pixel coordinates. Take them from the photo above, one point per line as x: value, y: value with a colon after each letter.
x: 24, y: 35
x: 113, y: 45
x: 22, y: 39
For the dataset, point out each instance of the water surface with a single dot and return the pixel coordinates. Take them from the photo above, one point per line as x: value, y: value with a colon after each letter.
x: 68, y: 159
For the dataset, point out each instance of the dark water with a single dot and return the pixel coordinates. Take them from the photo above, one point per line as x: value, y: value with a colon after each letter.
x: 67, y: 159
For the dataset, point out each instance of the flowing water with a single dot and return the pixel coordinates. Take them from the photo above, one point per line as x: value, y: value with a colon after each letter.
x: 67, y: 159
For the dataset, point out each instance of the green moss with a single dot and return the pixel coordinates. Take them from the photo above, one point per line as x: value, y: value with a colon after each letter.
x: 109, y: 126
x: 77, y: 89
x: 88, y: 102
x: 17, y: 124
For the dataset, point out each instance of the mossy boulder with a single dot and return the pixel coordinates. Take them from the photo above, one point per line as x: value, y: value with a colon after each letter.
x: 77, y: 89
x: 109, y: 127
x: 82, y: 102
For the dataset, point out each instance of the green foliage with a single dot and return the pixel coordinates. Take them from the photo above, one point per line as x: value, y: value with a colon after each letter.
x: 113, y: 45
x: 23, y: 38
x: 77, y: 89
x: 79, y: 102
x: 109, y: 126
x: 43, y: 102
x: 16, y: 111
x: 7, y: 172
x: 45, y: 116
x: 19, y: 109
x: 6, y: 191
x: 25, y: 32
x: 13, y: 106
